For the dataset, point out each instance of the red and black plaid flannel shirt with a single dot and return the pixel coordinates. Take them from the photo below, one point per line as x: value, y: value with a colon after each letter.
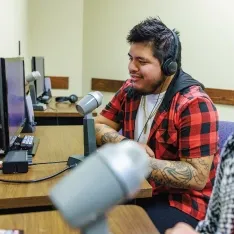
x: 187, y: 128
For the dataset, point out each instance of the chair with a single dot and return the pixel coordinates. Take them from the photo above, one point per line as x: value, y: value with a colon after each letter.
x: 226, y: 128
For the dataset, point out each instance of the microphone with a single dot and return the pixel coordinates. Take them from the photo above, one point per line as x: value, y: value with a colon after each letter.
x: 35, y: 75
x: 89, y: 102
x: 115, y: 173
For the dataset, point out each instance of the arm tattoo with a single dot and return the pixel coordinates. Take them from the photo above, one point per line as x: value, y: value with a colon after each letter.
x: 106, y: 134
x: 109, y: 137
x: 179, y: 174
x: 201, y: 170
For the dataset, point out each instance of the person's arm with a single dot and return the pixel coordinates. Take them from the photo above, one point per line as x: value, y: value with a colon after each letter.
x: 197, y: 141
x: 107, y: 123
x: 107, y: 131
x: 185, y: 174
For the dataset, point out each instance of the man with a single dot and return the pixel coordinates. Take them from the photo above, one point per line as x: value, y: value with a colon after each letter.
x: 170, y: 115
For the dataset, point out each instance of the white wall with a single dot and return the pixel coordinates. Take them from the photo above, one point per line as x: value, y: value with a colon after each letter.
x: 56, y: 32
x: 207, y: 35
x: 13, y: 24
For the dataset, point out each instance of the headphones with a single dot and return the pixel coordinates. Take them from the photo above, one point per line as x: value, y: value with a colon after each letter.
x: 169, y: 67
x: 72, y: 99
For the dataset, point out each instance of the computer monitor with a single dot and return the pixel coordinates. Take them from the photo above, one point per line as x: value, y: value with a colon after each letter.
x: 12, y: 100
x: 38, y: 64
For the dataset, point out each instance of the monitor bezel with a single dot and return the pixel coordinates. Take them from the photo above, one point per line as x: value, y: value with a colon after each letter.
x: 4, y: 147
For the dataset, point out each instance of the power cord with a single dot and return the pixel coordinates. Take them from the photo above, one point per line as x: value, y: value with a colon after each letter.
x: 40, y: 163
x: 37, y: 180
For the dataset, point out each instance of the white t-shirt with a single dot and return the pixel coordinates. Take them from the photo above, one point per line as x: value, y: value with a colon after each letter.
x: 146, y: 106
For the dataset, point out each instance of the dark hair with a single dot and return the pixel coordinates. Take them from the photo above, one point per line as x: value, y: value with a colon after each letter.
x: 153, y: 31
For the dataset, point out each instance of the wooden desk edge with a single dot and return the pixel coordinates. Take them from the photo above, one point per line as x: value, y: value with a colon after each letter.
x: 23, y: 202
x: 45, y: 114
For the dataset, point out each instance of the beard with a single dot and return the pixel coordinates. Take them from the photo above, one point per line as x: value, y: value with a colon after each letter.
x: 153, y: 88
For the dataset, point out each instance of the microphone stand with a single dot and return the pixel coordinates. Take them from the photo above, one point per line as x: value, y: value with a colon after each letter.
x: 89, y: 135
x: 98, y: 226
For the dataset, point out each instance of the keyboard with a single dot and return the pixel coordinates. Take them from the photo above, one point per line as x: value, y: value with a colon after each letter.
x: 27, y: 142
x: 22, y: 143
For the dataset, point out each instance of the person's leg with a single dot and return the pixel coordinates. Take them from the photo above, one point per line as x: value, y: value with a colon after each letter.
x: 162, y: 214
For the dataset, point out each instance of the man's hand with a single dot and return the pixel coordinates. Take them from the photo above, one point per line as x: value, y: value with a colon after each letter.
x: 149, y: 151
x: 181, y: 228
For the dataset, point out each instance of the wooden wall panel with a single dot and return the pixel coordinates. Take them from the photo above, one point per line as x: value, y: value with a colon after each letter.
x: 59, y: 82
x: 106, y: 85
x: 219, y: 96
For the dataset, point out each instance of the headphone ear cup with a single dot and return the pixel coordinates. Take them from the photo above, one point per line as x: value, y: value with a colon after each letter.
x: 73, y: 98
x: 169, y: 67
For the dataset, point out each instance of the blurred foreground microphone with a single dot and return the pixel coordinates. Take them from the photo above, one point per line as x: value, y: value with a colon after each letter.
x: 89, y: 103
x: 35, y: 75
x: 106, y: 178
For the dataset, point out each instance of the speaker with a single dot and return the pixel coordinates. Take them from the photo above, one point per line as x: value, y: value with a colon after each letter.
x: 72, y: 99
x: 169, y: 67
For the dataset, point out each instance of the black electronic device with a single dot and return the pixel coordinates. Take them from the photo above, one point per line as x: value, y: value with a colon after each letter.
x: 16, y: 162
x: 169, y: 67
x: 72, y: 99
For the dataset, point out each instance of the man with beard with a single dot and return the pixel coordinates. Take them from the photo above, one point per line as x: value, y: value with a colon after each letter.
x: 168, y: 113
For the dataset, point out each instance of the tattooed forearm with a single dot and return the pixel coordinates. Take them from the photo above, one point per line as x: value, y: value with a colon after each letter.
x: 180, y: 174
x: 110, y: 137
x: 106, y: 134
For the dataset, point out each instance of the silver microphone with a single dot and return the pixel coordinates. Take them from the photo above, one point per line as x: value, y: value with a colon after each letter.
x: 106, y: 178
x: 89, y: 102
x: 35, y: 75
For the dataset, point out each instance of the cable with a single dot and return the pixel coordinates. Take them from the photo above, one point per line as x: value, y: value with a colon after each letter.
x: 40, y: 163
x: 37, y: 180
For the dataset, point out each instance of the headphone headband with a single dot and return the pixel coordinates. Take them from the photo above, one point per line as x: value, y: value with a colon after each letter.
x: 176, y: 44
x: 169, y: 67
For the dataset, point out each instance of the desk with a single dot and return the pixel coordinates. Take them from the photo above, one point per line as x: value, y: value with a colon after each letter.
x: 57, y: 143
x: 63, y: 113
x: 122, y: 220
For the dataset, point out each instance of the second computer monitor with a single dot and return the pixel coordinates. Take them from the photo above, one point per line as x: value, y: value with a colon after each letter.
x: 38, y: 64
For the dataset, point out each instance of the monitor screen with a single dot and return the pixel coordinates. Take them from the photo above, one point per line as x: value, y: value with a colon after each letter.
x: 38, y: 65
x: 14, y: 71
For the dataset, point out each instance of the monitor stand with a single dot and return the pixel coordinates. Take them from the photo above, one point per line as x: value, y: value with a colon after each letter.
x: 89, y: 135
x: 28, y: 127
